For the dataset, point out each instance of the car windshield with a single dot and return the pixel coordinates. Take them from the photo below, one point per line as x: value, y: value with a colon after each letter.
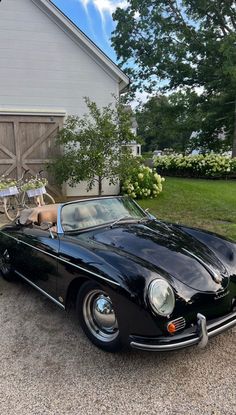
x: 90, y: 213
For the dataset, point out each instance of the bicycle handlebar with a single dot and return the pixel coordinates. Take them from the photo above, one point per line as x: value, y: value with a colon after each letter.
x: 23, y: 175
x: 26, y: 171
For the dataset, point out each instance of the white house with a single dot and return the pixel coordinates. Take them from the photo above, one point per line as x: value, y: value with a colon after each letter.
x: 47, y: 66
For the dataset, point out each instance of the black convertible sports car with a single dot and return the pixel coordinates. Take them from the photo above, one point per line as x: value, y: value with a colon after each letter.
x: 136, y: 280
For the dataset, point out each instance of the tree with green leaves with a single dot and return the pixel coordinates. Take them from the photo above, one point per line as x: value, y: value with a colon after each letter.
x: 95, y: 146
x: 187, y: 44
x: 168, y: 121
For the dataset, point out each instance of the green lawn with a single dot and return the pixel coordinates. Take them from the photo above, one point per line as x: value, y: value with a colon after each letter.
x: 208, y: 204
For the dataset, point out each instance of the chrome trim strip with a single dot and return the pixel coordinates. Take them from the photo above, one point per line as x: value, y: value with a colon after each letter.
x: 185, y: 343
x: 62, y: 259
x: 9, y: 236
x: 40, y: 289
x: 179, y: 323
x: 93, y: 198
x: 59, y: 226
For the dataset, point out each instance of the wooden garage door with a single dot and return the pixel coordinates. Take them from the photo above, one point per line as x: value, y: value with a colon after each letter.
x: 28, y: 142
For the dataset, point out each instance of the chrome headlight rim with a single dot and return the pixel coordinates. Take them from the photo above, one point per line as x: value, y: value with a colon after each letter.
x: 157, y: 311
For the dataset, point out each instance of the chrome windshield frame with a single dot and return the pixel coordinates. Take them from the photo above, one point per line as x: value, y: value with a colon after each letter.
x: 60, y: 230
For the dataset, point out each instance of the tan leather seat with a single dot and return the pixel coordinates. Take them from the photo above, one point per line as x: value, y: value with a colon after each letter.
x: 84, y: 212
x: 48, y: 215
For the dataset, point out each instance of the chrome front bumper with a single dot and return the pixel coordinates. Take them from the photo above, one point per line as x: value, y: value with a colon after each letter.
x: 200, y: 336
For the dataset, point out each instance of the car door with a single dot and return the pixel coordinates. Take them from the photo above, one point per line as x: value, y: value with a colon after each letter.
x: 37, y: 258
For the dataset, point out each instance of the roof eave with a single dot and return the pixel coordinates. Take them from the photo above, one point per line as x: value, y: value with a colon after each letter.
x: 124, y: 87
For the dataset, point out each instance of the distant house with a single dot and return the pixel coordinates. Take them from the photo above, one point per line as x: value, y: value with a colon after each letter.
x: 157, y: 153
x: 134, y: 146
x: 47, y: 66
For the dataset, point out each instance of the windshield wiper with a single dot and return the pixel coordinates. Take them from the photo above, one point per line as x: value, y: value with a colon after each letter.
x: 145, y: 218
x: 121, y: 218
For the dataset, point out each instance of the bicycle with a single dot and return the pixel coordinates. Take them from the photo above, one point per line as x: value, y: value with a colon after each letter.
x: 12, y: 204
x: 10, y: 199
x: 40, y: 197
x: 7, y: 206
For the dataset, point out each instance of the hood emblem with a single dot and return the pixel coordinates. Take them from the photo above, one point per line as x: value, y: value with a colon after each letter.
x: 216, y: 277
x: 220, y: 295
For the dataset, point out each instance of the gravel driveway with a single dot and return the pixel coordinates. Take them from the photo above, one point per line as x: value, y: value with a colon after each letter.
x: 48, y: 367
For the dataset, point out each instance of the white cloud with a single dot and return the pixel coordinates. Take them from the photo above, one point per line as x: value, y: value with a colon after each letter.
x: 105, y: 6
x: 140, y: 98
x: 105, y: 9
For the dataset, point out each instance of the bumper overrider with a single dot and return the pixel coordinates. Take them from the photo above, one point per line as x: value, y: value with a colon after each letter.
x: 198, y: 335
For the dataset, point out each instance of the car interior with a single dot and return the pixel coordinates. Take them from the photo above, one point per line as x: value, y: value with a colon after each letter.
x: 73, y: 217
x: 39, y: 215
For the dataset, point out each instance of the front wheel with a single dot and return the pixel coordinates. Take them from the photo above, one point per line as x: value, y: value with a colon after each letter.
x: 97, y: 317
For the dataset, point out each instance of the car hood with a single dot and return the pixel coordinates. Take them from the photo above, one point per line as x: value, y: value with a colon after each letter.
x: 169, y: 249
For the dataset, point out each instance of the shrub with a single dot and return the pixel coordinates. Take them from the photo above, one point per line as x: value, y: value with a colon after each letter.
x: 95, y: 146
x: 209, y: 166
x: 142, y: 183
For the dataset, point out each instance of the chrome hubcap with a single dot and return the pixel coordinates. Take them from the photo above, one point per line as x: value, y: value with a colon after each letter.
x: 99, y: 316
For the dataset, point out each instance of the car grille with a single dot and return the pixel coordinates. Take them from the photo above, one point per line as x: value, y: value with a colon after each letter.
x: 179, y: 323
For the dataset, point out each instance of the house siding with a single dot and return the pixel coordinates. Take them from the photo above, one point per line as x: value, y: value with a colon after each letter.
x: 43, y: 69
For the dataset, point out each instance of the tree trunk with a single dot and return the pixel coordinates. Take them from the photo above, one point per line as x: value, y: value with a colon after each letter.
x: 99, y: 186
x: 234, y: 137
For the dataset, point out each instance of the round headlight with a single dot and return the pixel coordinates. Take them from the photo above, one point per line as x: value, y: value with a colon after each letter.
x: 161, y: 297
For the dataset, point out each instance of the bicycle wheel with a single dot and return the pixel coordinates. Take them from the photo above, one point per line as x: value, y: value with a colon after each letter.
x: 28, y: 202
x: 48, y: 199
x: 36, y: 201
x: 11, y: 207
x: 2, y: 209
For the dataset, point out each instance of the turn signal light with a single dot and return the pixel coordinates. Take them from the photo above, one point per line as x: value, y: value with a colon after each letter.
x: 171, y: 327
x: 175, y: 325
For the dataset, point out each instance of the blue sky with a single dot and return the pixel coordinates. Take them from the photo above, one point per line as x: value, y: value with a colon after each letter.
x: 94, y: 18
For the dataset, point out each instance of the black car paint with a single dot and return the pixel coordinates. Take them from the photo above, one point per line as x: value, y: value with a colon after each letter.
x: 124, y: 259
x: 166, y: 248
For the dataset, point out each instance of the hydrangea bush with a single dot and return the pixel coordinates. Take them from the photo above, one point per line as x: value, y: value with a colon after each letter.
x: 209, y: 166
x: 142, y: 183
